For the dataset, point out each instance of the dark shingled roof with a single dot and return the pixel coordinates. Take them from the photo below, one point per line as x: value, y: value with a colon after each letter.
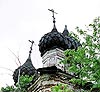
x: 26, y: 69
x: 54, y: 39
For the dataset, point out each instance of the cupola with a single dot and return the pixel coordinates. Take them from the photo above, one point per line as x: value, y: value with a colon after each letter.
x: 52, y: 45
x: 26, y: 69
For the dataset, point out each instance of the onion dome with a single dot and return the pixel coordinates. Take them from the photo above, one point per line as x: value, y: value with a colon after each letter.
x: 26, y: 69
x: 55, y: 39
x: 71, y: 43
x: 51, y: 40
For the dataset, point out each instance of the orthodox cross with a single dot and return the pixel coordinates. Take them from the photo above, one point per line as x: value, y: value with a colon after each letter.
x: 53, y: 12
x: 30, y: 47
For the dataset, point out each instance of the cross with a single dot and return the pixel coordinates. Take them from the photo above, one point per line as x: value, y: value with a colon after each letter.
x: 30, y: 47
x: 53, y: 12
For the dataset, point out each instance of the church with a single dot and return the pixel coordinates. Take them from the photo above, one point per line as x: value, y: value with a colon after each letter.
x: 51, y: 46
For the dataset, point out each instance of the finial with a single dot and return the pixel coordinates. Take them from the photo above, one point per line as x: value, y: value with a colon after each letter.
x: 65, y: 32
x: 53, y: 12
x: 65, y: 27
x: 30, y: 47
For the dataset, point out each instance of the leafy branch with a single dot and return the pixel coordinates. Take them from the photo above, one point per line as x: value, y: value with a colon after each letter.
x: 84, y: 62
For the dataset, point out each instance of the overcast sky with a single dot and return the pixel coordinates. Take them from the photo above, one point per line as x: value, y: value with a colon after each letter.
x: 23, y: 20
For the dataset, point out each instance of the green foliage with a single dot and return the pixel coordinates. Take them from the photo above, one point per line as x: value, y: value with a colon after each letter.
x: 61, y: 88
x: 84, y: 62
x: 23, y: 83
x: 8, y: 89
x: 21, y: 86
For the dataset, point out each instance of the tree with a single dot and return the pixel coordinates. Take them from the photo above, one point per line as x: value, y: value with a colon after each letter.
x: 85, y: 61
x: 24, y: 82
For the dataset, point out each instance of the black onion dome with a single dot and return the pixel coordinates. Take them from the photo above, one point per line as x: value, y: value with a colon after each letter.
x: 54, y: 39
x: 26, y: 69
x: 51, y: 40
x: 71, y: 43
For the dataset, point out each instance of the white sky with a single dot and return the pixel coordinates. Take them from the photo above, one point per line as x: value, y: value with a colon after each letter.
x: 23, y: 20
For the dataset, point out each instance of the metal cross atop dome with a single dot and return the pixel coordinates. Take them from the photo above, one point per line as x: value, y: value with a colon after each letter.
x: 30, y: 47
x: 53, y: 12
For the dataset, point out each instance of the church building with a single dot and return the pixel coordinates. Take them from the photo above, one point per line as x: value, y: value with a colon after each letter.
x: 51, y: 46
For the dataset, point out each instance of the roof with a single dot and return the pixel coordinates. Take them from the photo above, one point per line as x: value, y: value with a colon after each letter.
x: 55, y: 39
x: 26, y: 69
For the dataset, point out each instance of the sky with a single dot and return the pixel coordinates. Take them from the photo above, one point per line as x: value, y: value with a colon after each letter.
x: 23, y: 20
